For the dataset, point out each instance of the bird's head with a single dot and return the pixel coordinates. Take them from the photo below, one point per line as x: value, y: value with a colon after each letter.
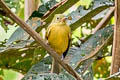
x: 59, y: 18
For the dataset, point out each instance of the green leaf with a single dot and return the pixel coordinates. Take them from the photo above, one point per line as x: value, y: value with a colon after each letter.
x: 20, y: 34
x: 49, y: 76
x: 20, y: 13
x: 82, y: 15
x: 88, y: 75
x: 86, y: 48
x: 90, y: 44
x: 14, y: 55
x: 41, y: 67
x: 13, y: 4
x: 39, y: 54
x: 1, y: 72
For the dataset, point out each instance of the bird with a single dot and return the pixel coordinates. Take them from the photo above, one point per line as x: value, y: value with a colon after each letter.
x: 58, y: 35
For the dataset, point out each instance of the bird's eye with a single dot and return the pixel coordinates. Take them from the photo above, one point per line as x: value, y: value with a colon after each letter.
x: 58, y: 18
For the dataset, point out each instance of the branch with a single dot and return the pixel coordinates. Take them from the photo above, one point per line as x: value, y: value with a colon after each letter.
x: 38, y: 39
x: 112, y: 76
x: 53, y: 8
x: 116, y: 41
x: 105, y: 20
x: 93, y: 53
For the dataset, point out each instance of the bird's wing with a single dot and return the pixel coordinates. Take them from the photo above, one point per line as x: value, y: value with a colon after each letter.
x: 48, y: 31
x: 65, y: 53
x: 69, y: 37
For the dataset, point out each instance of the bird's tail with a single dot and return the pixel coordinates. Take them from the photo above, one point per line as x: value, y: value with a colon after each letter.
x: 55, y: 67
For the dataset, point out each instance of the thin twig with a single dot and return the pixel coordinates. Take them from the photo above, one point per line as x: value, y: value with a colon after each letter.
x: 113, y: 75
x: 53, y: 8
x: 105, y: 20
x: 38, y: 39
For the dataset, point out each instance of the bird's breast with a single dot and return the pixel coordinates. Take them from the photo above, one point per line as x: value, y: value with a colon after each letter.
x: 58, y: 39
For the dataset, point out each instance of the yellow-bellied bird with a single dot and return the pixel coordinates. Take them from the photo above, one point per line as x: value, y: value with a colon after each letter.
x: 58, y: 35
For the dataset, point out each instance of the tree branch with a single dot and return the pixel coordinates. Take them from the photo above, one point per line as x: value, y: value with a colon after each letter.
x: 37, y: 37
x: 53, y: 8
x: 116, y: 41
x: 105, y: 20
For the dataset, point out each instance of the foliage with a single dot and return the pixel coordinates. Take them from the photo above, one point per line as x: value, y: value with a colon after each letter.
x: 44, y: 8
x: 22, y: 54
x: 17, y: 7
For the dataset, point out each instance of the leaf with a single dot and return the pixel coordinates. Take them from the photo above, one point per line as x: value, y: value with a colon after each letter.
x: 21, y: 66
x: 39, y: 54
x: 49, y: 76
x: 82, y: 15
x: 88, y: 75
x: 13, y: 4
x: 41, y: 67
x: 20, y: 13
x: 86, y: 48
x: 90, y: 44
x: 17, y: 54
x: 41, y: 70
x: 20, y: 48
x: 1, y: 72
x: 20, y: 34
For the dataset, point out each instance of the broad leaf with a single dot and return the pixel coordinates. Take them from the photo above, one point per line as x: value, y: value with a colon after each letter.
x: 82, y: 15
x: 76, y: 54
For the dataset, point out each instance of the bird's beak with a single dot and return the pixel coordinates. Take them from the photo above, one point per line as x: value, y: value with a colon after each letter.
x: 64, y: 19
x: 67, y: 18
